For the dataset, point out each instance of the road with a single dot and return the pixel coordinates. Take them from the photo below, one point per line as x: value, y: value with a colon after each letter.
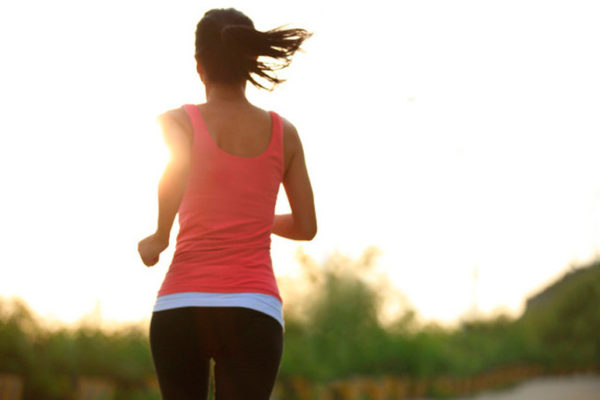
x: 576, y: 387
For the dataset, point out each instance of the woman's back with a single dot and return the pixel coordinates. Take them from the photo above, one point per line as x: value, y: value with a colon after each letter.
x: 226, y: 213
x: 242, y: 130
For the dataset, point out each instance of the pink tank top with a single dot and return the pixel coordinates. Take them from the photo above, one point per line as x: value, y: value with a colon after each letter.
x: 226, y: 217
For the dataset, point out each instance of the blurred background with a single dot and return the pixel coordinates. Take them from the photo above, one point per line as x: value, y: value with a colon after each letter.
x: 452, y: 147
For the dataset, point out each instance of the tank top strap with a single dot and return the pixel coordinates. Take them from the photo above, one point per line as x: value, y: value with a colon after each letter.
x: 200, y: 133
x: 276, y: 145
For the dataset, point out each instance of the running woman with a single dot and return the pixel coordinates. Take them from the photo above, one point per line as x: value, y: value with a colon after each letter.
x: 219, y: 298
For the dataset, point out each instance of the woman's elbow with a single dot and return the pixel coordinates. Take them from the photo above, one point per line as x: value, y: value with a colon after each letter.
x: 309, y: 232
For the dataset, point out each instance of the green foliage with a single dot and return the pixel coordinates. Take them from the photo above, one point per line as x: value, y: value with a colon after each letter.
x: 340, y: 334
x: 51, y: 360
x: 340, y: 323
x: 567, y: 319
x: 335, y: 332
x: 17, y: 329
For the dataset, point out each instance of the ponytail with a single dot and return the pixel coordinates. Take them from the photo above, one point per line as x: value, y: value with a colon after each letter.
x: 231, y: 49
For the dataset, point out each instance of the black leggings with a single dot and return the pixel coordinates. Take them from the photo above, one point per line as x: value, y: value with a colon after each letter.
x: 245, y: 344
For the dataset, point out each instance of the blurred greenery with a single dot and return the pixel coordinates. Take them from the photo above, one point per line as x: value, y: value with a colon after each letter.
x: 335, y: 329
x: 341, y: 333
x: 51, y: 359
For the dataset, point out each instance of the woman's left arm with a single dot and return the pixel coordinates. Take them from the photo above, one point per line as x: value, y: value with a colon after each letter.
x: 177, y: 135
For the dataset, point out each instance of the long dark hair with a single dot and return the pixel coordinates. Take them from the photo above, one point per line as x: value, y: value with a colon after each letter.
x: 229, y: 48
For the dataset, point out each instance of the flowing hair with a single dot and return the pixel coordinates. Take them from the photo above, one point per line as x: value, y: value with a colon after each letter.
x: 230, y: 49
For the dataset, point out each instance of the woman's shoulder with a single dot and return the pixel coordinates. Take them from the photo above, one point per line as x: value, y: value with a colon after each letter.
x: 292, y: 146
x: 291, y: 139
x: 290, y: 134
x: 176, y: 119
x: 176, y: 115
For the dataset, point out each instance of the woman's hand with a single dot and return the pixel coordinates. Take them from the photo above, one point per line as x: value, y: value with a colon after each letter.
x: 151, y: 247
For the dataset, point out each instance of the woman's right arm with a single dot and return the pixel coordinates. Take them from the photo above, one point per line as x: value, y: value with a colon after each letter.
x: 177, y: 134
x: 301, y: 224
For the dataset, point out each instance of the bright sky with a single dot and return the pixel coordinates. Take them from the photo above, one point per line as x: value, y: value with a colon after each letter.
x: 454, y: 135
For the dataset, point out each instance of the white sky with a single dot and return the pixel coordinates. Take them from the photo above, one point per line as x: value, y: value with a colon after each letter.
x: 453, y: 135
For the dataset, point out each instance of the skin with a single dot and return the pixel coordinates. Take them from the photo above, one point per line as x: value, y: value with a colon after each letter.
x: 239, y: 128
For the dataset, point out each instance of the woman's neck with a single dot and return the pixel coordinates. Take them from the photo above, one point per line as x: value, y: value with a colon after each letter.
x: 224, y: 93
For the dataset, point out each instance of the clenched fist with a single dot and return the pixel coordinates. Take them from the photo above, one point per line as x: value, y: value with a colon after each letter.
x: 150, y: 249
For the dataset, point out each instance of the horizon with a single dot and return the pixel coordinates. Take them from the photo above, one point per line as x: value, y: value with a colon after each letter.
x: 94, y: 318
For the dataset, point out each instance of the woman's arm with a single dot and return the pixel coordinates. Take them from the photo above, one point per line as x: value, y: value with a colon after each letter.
x: 177, y: 135
x: 301, y: 224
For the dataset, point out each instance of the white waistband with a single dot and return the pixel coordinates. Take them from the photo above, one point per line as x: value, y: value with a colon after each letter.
x: 256, y: 301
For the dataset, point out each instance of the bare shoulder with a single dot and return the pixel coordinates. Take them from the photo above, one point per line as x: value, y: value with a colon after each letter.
x: 291, y: 139
x: 292, y: 146
x: 175, y: 124
x: 175, y: 116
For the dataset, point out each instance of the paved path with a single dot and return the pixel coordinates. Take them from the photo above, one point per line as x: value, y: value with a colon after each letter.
x: 577, y: 387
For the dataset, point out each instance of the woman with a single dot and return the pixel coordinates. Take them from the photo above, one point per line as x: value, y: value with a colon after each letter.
x: 219, y: 298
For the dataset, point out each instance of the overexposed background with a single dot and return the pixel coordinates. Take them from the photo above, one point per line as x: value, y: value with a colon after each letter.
x: 459, y: 137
